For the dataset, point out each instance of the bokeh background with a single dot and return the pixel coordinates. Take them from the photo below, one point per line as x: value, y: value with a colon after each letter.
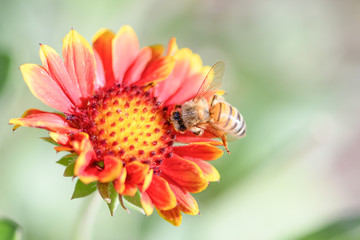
x: 293, y: 70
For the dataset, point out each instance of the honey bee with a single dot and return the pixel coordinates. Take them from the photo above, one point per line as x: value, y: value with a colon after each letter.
x: 209, y: 112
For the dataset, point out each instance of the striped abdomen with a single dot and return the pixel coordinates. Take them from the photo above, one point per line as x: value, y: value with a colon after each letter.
x: 228, y: 119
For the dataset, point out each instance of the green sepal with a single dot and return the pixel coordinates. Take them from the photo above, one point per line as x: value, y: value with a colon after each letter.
x: 114, y: 199
x: 134, y: 202
x: 67, y: 159
x: 83, y: 190
x: 104, y: 190
x: 69, y: 170
x: 9, y: 230
x: 50, y: 140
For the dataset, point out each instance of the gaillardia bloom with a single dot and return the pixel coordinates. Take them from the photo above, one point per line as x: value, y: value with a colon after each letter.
x: 115, y: 100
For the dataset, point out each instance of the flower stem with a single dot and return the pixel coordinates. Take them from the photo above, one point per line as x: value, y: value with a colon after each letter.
x: 87, y: 220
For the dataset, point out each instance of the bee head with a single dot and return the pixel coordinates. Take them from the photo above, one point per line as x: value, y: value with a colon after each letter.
x: 177, y: 121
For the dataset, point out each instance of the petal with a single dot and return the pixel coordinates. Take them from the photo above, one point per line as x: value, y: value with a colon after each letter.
x: 45, y: 88
x: 119, y: 183
x: 63, y: 149
x: 201, y: 151
x: 186, y: 202
x: 53, y: 63
x: 125, y: 48
x: 102, y: 44
x: 160, y: 193
x: 185, y: 79
x: 112, y: 169
x: 173, y: 216
x: 62, y: 139
x: 209, y: 171
x: 172, y: 48
x: 165, y: 89
x: 100, y: 73
x: 184, y: 173
x: 157, y: 70
x: 147, y: 204
x: 147, y: 181
x: 189, y: 88
x: 84, y: 168
x: 136, y: 172
x: 130, y: 190
x: 196, y: 139
x: 134, y: 72
x: 50, y: 121
x: 79, y: 61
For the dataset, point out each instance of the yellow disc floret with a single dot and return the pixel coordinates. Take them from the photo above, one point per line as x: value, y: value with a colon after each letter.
x: 127, y: 123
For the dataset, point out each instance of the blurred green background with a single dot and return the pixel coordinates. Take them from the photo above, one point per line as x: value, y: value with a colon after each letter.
x: 293, y: 70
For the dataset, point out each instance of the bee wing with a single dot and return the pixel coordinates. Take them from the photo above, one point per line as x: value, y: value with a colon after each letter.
x: 212, y: 81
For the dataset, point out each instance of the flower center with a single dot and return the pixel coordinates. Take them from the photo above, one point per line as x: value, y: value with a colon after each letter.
x: 127, y: 123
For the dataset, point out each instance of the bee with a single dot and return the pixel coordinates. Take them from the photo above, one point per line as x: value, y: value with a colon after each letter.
x: 209, y: 112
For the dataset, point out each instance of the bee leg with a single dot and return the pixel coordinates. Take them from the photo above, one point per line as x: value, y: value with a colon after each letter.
x: 197, y: 131
x: 223, y: 138
x: 218, y: 133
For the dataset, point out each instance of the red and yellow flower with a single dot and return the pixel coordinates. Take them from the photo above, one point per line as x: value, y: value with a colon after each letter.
x: 115, y: 100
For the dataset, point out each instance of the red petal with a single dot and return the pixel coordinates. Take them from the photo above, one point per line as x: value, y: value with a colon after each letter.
x: 45, y: 88
x: 160, y: 193
x: 158, y: 70
x: 53, y: 63
x: 39, y: 119
x: 173, y: 216
x: 134, y: 72
x: 184, y: 173
x: 79, y: 61
x: 172, y: 48
x: 112, y: 169
x: 125, y: 48
x: 165, y: 89
x: 119, y: 183
x: 187, y: 203
x: 209, y: 171
x: 147, y: 204
x: 201, y: 151
x: 100, y: 74
x: 190, y: 139
x: 62, y: 139
x: 188, y: 90
x: 136, y: 172
x: 102, y: 43
x: 130, y: 190
x: 86, y: 167
x: 63, y: 149
x: 147, y: 181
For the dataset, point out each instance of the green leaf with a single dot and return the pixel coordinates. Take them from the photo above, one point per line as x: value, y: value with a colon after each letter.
x: 67, y: 159
x: 50, y: 140
x: 83, y: 190
x: 9, y: 230
x: 134, y: 202
x: 114, y: 199
x: 69, y: 170
x: 347, y: 229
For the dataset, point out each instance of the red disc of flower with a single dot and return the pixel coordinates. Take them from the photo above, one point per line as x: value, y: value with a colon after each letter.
x: 115, y: 100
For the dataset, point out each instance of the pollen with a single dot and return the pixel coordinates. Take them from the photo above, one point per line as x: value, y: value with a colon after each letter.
x: 122, y: 121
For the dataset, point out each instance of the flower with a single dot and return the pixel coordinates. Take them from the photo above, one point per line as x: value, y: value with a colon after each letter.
x: 115, y: 100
